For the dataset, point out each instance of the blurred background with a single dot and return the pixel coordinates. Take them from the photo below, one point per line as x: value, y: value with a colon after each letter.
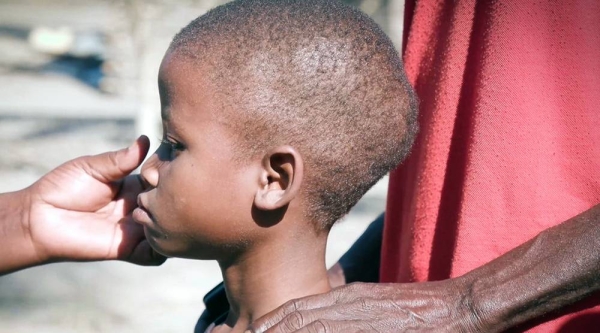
x: 78, y: 77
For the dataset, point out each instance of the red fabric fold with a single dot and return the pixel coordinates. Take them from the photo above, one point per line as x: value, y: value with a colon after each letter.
x: 510, y: 133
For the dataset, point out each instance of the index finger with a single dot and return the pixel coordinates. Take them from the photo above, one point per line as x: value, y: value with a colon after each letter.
x: 306, y: 303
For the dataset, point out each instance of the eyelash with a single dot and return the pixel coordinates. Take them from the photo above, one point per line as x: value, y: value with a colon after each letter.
x: 173, y: 146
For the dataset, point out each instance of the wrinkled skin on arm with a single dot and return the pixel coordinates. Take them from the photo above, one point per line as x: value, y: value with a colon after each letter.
x: 556, y: 268
x: 371, y: 307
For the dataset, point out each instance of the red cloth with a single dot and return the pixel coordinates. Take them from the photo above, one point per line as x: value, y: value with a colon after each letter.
x: 509, y: 142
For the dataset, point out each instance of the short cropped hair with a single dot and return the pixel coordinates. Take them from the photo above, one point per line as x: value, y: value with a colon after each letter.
x: 317, y: 75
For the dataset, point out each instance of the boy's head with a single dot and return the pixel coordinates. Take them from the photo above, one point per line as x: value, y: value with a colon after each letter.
x: 278, y: 104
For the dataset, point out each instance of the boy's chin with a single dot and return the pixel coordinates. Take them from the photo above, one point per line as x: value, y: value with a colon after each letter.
x: 170, y: 248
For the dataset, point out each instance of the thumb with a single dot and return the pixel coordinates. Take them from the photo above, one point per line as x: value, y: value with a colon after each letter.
x: 115, y: 165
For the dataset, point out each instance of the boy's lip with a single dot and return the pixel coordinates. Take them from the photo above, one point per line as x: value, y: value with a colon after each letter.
x: 141, y: 214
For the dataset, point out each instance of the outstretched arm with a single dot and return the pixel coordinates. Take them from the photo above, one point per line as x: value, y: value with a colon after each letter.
x: 79, y: 211
x: 558, y: 267
x: 18, y: 250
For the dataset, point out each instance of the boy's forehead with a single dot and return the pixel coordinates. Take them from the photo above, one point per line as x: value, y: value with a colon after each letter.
x: 176, y: 78
x: 185, y: 84
x: 168, y: 67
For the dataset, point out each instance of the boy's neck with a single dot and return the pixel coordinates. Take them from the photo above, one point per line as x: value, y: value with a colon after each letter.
x: 289, y: 267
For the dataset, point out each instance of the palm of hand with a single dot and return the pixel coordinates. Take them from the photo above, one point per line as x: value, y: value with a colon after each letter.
x: 82, y: 211
x: 73, y: 214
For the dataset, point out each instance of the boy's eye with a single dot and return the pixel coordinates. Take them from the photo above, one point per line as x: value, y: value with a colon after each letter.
x: 173, y: 146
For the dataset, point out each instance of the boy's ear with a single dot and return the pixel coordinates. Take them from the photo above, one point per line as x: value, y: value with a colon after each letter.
x: 280, y: 178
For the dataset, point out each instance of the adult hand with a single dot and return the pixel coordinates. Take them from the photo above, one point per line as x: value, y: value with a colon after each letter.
x: 82, y: 210
x: 556, y: 268
x: 368, y: 307
x: 216, y: 303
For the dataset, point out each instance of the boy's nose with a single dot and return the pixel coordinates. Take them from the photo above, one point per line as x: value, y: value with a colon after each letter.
x: 149, y: 171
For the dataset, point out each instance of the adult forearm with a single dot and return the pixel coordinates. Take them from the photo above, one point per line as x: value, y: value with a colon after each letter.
x: 553, y: 270
x: 17, y: 249
x: 557, y: 268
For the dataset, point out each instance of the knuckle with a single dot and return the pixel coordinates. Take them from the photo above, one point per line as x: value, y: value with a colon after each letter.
x: 83, y: 163
x: 112, y: 157
x: 355, y: 286
x: 291, y: 306
x: 293, y: 321
x: 359, y: 287
x: 319, y: 326
x: 363, y: 304
x: 114, y: 160
x: 349, y: 293
x: 343, y: 294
